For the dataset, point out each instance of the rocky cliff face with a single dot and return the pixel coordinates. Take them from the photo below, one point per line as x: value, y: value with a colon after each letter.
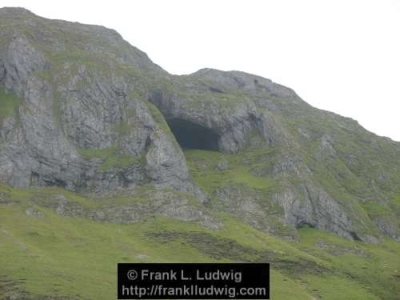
x: 83, y: 110
x: 80, y: 119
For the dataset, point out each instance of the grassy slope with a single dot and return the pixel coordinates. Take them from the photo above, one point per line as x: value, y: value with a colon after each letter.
x: 77, y: 257
x: 355, y: 270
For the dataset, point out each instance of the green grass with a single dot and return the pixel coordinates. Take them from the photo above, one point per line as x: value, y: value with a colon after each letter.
x: 121, y: 161
x: 203, y: 166
x: 70, y: 256
x: 363, y: 271
x: 238, y: 178
x: 123, y: 128
x: 103, y: 154
x: 158, y: 117
x: 110, y: 158
x: 8, y: 104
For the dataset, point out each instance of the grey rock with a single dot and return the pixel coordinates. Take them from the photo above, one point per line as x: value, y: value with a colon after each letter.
x: 159, y: 202
x: 246, y: 82
x: 222, y: 165
x: 315, y: 208
x: 69, y: 106
x: 250, y: 206
x: 388, y: 226
x: 226, y: 128
x: 31, y: 211
x: 19, y: 62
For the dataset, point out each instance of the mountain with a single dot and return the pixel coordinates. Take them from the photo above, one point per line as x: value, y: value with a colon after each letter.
x: 98, y: 143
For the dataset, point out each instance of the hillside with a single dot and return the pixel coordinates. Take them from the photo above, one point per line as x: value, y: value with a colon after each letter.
x: 107, y: 158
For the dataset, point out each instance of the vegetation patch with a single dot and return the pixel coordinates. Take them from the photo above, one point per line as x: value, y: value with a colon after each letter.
x: 8, y: 104
x: 213, y: 247
x: 204, y: 167
x: 111, y: 158
x: 158, y: 116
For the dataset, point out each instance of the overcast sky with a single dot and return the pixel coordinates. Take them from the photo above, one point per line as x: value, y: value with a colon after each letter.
x: 338, y: 55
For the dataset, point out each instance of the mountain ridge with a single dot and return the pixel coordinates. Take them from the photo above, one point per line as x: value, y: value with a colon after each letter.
x: 93, y: 113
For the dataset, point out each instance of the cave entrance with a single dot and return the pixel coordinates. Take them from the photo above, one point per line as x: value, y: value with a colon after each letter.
x: 304, y: 224
x: 192, y: 136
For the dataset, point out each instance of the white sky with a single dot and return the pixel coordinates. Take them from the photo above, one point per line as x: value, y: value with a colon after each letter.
x: 338, y: 55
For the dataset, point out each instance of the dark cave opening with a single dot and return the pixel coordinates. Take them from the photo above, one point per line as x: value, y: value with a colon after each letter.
x: 304, y: 224
x: 192, y: 136
x: 355, y: 236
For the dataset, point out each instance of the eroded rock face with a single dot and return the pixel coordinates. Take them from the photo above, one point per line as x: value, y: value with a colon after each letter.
x: 79, y: 124
x: 228, y: 126
x: 158, y: 203
x: 84, y: 110
x: 248, y: 83
x: 314, y: 208
x: 20, y: 60
x: 221, y: 103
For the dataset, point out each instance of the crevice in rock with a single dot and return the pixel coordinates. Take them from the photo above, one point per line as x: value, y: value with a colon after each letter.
x: 193, y: 136
x: 35, y: 178
x: 215, y: 90
x: 2, y: 72
x: 38, y: 180
x: 355, y: 236
x: 147, y: 144
x: 304, y: 224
